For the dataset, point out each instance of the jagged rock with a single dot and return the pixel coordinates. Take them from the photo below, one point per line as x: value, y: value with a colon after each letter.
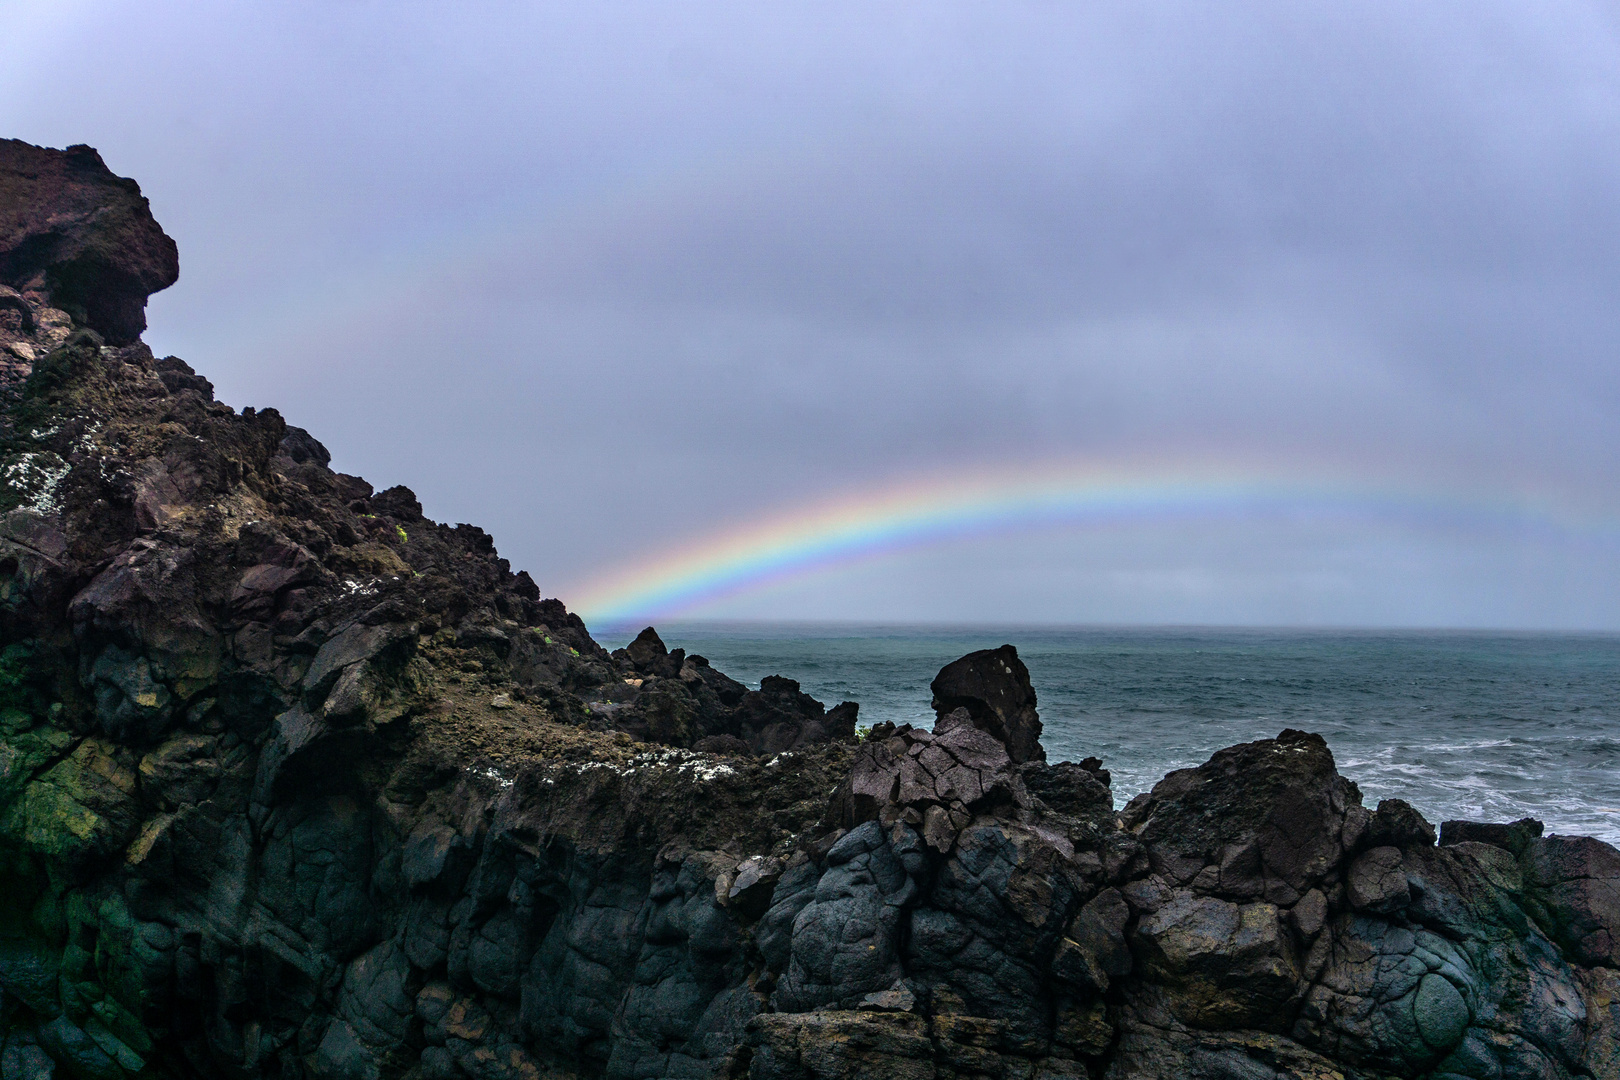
x: 993, y: 686
x: 83, y: 239
x: 1068, y: 788
x: 1094, y: 952
x: 1396, y: 824
x: 779, y: 716
x: 1264, y: 820
x: 649, y: 656
x: 683, y: 701
x: 934, y: 780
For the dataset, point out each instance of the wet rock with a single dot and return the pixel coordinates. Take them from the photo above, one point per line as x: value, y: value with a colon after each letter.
x: 1514, y: 837
x: 1576, y: 885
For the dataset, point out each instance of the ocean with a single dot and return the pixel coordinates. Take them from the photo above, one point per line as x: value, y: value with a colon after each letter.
x: 1485, y: 726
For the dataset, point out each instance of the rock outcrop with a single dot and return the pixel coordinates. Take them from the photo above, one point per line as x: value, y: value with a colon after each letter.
x: 297, y: 783
x: 993, y: 686
x: 682, y: 700
x: 74, y: 237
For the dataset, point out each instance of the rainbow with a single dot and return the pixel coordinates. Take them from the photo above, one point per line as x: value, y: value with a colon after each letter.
x: 932, y: 510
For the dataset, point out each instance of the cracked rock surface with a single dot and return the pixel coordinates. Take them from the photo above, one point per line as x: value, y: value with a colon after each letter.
x: 297, y: 783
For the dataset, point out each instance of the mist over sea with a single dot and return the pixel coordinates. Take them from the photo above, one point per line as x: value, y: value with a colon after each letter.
x: 1486, y: 726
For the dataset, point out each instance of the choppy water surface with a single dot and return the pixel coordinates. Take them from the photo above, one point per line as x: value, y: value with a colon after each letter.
x: 1474, y: 725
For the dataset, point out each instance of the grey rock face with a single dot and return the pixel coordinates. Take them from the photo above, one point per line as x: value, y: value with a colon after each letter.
x: 846, y: 940
x: 1575, y: 883
x: 1377, y: 881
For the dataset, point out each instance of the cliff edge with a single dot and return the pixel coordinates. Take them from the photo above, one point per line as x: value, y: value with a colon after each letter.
x: 295, y: 782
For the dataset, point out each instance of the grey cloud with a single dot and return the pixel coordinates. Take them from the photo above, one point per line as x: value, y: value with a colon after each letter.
x: 607, y: 278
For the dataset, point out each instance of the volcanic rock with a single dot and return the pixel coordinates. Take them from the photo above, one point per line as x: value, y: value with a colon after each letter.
x: 993, y: 686
x: 77, y: 238
x: 1265, y: 820
x: 297, y: 783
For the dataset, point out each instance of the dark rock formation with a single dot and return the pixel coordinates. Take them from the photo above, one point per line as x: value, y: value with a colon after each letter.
x: 993, y: 686
x: 683, y: 701
x: 297, y: 783
x: 77, y: 238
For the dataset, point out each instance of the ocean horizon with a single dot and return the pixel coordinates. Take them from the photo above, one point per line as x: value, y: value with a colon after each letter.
x: 1485, y: 725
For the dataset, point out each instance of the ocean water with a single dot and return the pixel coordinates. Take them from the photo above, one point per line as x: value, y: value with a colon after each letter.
x: 1486, y: 726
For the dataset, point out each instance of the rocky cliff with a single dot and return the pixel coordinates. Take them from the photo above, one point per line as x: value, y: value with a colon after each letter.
x: 295, y: 782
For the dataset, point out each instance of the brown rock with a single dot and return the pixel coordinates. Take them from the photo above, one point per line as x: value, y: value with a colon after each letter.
x: 1268, y: 819
x: 83, y: 236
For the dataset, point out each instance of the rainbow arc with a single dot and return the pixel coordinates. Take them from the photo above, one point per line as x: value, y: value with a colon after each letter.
x: 927, y: 511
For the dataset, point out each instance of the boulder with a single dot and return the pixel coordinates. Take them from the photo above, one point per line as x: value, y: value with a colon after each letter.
x: 993, y: 686
x: 1225, y: 965
x: 1575, y: 881
x: 1263, y: 820
x: 1514, y: 836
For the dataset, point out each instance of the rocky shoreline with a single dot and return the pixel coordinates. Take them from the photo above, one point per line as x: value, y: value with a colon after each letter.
x: 295, y: 782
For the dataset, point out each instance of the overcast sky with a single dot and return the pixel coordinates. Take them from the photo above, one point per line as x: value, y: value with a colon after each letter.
x: 606, y: 278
